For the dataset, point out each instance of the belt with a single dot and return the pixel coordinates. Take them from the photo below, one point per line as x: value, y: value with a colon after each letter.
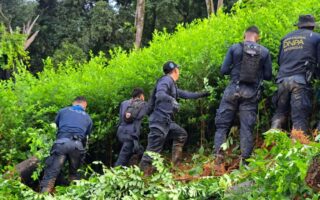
x: 71, y: 136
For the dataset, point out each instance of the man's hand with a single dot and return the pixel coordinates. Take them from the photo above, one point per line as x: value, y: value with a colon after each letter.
x: 175, y: 105
x: 205, y: 94
x: 136, y: 146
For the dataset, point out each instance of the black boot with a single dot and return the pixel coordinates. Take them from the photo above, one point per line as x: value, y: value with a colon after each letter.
x: 278, y: 123
x: 147, y: 168
x: 49, y: 186
x: 243, y: 161
x: 219, y: 165
x: 74, y: 177
x: 176, y: 155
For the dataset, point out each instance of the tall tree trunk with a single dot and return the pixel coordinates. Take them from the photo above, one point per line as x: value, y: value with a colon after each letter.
x: 139, y: 21
x: 210, y: 7
x: 220, y: 4
x: 153, y: 22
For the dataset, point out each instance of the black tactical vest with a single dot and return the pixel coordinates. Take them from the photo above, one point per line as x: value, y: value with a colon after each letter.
x: 250, y: 65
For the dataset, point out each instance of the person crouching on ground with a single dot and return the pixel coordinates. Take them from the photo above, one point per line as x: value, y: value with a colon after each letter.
x: 74, y: 125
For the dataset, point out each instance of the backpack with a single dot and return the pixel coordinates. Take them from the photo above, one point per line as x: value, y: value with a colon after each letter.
x: 152, y: 99
x: 250, y: 65
x: 132, y: 111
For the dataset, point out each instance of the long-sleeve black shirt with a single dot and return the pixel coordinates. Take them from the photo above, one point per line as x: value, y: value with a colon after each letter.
x: 73, y: 121
x: 166, y: 93
x: 232, y: 62
x: 296, y: 50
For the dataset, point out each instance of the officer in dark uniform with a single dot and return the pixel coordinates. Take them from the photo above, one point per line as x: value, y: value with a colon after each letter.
x: 248, y: 64
x: 299, y: 55
x: 74, y: 125
x: 163, y: 105
x: 129, y: 132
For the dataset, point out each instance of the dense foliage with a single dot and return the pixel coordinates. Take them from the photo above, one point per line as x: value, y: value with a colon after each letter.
x: 29, y: 104
x: 12, y: 54
x: 280, y: 176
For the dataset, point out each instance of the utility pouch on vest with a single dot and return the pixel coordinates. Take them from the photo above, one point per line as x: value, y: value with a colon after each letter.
x: 250, y: 66
x: 311, y: 71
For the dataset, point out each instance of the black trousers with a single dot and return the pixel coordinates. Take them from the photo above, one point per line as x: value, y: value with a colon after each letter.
x: 62, y: 150
x: 294, y: 97
x: 125, y: 153
x: 157, y: 138
x: 231, y: 103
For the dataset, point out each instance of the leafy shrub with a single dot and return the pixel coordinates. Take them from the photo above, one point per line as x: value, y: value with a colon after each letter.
x: 68, y: 50
x: 276, y: 171
x: 12, y: 49
x: 119, y: 183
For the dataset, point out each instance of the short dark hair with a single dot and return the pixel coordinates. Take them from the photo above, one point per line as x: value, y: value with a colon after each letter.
x: 80, y: 99
x: 253, y: 29
x: 137, y: 92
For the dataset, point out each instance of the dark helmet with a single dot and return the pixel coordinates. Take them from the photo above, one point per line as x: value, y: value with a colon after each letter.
x: 169, y: 66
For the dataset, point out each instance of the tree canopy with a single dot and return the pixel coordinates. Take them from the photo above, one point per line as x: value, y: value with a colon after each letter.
x: 95, y: 25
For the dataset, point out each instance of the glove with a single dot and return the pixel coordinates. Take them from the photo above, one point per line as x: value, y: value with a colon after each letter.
x: 175, y: 105
x: 134, y: 137
x: 205, y: 94
x: 137, y: 147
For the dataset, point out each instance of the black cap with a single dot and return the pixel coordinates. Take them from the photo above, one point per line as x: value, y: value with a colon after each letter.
x: 306, y: 21
x: 169, y: 66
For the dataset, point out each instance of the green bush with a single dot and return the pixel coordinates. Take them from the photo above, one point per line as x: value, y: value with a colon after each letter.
x: 68, y: 50
x: 120, y: 183
x: 12, y: 46
x: 276, y: 171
